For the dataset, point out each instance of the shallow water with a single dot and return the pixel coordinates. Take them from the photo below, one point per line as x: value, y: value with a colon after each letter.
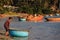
x: 20, y: 38
x: 38, y: 30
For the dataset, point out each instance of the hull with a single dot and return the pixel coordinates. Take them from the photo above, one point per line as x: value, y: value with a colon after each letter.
x: 23, y: 19
x: 18, y: 33
x: 53, y: 19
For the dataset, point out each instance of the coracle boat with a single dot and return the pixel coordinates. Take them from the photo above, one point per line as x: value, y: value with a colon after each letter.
x: 18, y: 33
x: 23, y: 19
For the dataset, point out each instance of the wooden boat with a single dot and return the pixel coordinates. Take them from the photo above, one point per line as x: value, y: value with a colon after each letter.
x: 17, y: 33
x: 53, y: 19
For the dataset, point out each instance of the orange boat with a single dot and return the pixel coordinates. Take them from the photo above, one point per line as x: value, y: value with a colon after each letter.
x: 3, y: 15
x: 38, y: 18
x: 53, y: 19
x: 35, y: 18
x: 30, y: 18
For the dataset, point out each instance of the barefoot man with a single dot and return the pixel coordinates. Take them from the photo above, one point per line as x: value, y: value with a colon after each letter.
x: 6, y: 26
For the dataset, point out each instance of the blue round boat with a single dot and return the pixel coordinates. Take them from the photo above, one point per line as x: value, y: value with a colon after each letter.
x: 23, y: 19
x: 18, y: 33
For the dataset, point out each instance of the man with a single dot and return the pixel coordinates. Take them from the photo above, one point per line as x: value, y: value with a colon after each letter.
x: 6, y: 26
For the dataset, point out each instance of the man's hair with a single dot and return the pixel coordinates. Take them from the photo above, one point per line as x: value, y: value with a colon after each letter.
x: 10, y: 17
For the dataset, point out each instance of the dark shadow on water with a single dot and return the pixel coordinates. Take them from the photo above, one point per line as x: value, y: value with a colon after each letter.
x: 20, y: 38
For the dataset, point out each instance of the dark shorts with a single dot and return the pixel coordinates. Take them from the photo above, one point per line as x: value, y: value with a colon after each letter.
x: 7, y: 29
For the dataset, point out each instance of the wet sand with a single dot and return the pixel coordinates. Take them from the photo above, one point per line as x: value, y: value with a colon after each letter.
x: 3, y: 37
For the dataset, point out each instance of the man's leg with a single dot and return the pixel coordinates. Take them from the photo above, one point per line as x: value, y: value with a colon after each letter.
x: 7, y: 33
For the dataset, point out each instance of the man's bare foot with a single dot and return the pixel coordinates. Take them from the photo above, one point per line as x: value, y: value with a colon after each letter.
x: 7, y: 33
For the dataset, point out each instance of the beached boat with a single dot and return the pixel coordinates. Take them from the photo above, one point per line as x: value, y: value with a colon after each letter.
x: 18, y: 33
x: 23, y: 19
x: 53, y: 19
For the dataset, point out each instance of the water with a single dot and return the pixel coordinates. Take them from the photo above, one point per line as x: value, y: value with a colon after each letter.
x: 37, y: 31
x: 20, y: 38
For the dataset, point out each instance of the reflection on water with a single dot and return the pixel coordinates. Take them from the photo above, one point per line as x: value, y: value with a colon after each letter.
x: 20, y: 38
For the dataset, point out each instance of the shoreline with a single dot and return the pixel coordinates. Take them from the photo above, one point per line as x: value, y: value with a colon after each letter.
x: 39, y: 30
x: 3, y: 37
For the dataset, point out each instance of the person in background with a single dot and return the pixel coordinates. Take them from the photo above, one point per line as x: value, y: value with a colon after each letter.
x: 6, y: 25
